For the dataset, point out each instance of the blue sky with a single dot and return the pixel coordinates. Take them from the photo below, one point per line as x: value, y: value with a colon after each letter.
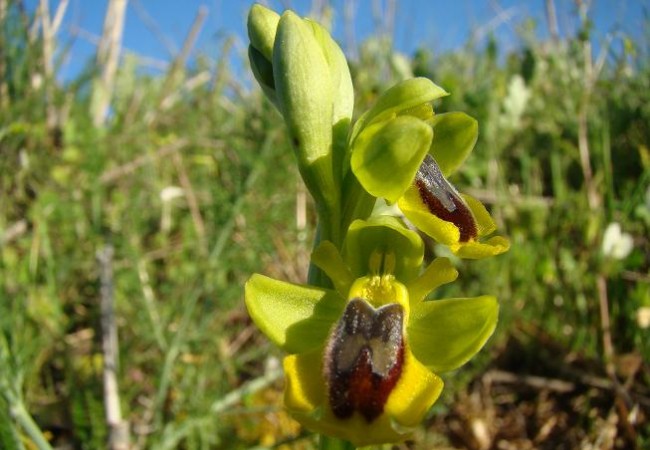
x: 439, y: 25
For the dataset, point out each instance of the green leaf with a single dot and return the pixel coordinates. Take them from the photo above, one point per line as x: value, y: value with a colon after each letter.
x: 454, y: 137
x: 388, y: 236
x: 445, y: 334
x: 294, y: 317
x: 387, y: 155
x: 403, y: 96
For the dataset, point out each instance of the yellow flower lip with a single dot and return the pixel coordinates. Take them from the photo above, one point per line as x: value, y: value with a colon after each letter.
x: 364, y: 359
x: 365, y: 385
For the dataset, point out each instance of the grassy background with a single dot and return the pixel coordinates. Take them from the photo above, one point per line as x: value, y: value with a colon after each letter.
x: 191, y: 184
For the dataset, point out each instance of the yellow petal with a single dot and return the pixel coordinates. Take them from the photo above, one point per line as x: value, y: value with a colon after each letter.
x: 484, y: 223
x: 478, y: 250
x: 416, y: 391
x: 439, y: 272
x: 304, y: 390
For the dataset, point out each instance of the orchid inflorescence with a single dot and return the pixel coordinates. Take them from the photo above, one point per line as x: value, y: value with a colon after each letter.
x: 365, y: 337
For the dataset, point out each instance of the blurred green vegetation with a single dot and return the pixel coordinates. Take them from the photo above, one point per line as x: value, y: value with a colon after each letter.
x: 192, y: 183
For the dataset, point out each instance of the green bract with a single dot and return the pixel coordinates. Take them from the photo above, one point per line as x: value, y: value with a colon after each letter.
x: 364, y: 338
x: 262, y: 26
x: 305, y: 74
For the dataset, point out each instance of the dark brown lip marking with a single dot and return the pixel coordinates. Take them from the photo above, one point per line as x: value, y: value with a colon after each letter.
x: 442, y: 200
x: 364, y: 359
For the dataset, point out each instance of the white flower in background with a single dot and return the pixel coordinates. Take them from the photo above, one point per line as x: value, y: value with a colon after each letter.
x: 170, y: 193
x: 643, y: 316
x: 167, y: 195
x: 514, y: 105
x: 616, y: 244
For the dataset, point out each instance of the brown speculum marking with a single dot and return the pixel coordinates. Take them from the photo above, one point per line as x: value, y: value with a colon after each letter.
x: 364, y: 359
x: 442, y: 200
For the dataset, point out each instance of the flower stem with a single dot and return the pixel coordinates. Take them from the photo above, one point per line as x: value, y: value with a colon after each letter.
x: 32, y: 430
x: 330, y: 443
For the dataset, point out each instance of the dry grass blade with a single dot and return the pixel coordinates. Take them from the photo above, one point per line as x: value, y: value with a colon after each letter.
x: 118, y: 437
x: 107, y: 58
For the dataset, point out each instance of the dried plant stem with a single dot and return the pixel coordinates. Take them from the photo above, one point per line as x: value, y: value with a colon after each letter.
x: 58, y: 17
x: 235, y: 396
x: 4, y: 91
x: 48, y: 44
x: 107, y: 58
x: 551, y: 18
x: 153, y: 27
x: 192, y: 201
x: 175, y: 70
x: 608, y: 346
x: 118, y: 434
x: 49, y: 30
x: 126, y: 169
x: 593, y: 197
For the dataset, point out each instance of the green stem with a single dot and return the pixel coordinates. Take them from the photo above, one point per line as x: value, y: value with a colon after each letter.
x: 25, y: 420
x: 330, y: 443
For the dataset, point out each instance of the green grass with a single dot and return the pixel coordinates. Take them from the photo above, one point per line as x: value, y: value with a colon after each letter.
x: 189, y: 356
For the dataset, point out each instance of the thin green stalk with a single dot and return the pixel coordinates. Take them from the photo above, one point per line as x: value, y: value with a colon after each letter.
x: 173, y: 434
x: 226, y: 229
x: 171, y: 356
x: 25, y: 420
x: 330, y: 443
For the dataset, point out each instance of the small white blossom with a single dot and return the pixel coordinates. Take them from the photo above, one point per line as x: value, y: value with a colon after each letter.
x: 514, y: 105
x: 643, y: 316
x: 171, y: 192
x: 616, y: 244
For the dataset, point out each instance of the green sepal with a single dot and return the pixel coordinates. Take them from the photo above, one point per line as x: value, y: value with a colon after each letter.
x: 399, y: 99
x: 402, y: 250
x: 305, y: 95
x: 262, y: 25
x: 387, y: 155
x: 296, y: 318
x: 343, y: 96
x: 454, y: 137
x: 263, y: 73
x: 445, y: 334
x: 328, y: 258
x: 339, y: 73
